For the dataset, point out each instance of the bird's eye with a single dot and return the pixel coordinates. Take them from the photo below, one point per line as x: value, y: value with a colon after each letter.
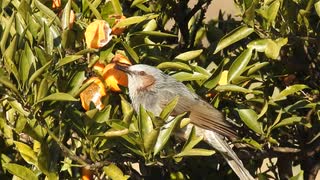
x: 142, y: 73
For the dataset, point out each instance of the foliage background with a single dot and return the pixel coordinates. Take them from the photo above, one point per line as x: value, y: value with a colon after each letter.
x: 268, y: 62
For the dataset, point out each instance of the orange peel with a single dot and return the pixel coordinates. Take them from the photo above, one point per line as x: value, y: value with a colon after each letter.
x: 98, y: 34
x: 93, y: 93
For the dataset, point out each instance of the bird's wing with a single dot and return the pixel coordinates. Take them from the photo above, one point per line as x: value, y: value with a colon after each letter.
x: 202, y: 114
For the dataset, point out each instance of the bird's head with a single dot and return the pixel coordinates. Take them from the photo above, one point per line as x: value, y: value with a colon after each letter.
x: 142, y: 77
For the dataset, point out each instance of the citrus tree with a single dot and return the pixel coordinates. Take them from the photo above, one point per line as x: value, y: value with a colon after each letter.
x: 65, y: 111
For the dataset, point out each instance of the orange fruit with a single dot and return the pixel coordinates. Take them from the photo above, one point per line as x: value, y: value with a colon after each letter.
x: 98, y: 67
x: 98, y: 34
x: 93, y: 93
x: 119, y: 58
x: 117, y: 30
x: 86, y: 174
x: 113, y: 77
x: 56, y: 4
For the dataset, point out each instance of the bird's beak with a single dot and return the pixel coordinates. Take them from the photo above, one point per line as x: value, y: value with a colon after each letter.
x: 123, y: 67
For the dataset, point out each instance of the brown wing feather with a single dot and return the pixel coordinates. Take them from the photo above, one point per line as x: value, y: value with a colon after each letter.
x: 202, y: 115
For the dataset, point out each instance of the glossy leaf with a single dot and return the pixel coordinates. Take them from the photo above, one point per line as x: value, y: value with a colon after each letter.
x: 234, y: 36
x: 114, y: 172
x: 165, y: 133
x: 250, y: 118
x: 65, y: 20
x: 231, y: 87
x: 58, y: 97
x: 165, y: 113
x: 174, y: 65
x: 154, y: 33
x: 195, y: 152
x: 193, y: 140
x: 36, y: 74
x: 5, y: 33
x: 134, y: 20
x: 27, y: 153
x: 216, y: 75
x: 239, y: 65
x: 20, y: 171
x: 288, y: 121
x: 184, y: 76
x: 6, y: 82
x: 68, y: 59
x: 289, y: 91
x: 189, y: 55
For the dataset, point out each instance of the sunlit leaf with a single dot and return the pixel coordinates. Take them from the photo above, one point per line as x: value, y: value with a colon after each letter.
x: 250, y: 118
x: 165, y: 133
x: 68, y: 59
x: 189, y: 55
x: 114, y: 172
x: 239, y: 65
x: 288, y: 121
x: 234, y: 36
x: 20, y: 171
x: 134, y: 20
x: 231, y: 87
x: 58, y: 97
x: 27, y: 153
x: 195, y: 152
x: 289, y: 91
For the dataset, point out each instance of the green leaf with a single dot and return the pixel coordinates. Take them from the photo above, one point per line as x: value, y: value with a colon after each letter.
x: 117, y: 7
x: 259, y: 45
x: 250, y: 118
x: 65, y: 20
x: 134, y: 20
x: 256, y: 67
x: 165, y: 113
x: 231, y: 87
x: 289, y: 91
x: 317, y: 7
x: 27, y: 153
x: 273, y: 48
x: 150, y: 140
x: 48, y: 38
x: 18, y: 107
x: 43, y: 89
x: 145, y: 123
x: 5, y: 34
x: 9, y: 57
x: 68, y: 59
x: 184, y: 76
x: 94, y: 10
x: 36, y: 74
x: 58, y: 97
x: 20, y: 171
x: 253, y: 143
x: 299, y: 176
x: 131, y: 52
x: 154, y: 33
x: 193, y: 140
x: 216, y: 75
x: 103, y: 115
x: 6, y: 82
x: 272, y: 12
x: 165, y: 133
x: 48, y: 12
x: 189, y: 55
x: 195, y: 152
x: 234, y: 36
x: 174, y: 65
x: 288, y: 121
x: 26, y: 61
x: 239, y: 65
x: 114, y: 172
x: 135, y: 2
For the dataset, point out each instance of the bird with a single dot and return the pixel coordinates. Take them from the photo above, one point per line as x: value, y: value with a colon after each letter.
x: 153, y: 89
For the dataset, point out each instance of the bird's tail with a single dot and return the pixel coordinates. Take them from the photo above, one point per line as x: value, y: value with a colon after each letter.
x: 217, y: 142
